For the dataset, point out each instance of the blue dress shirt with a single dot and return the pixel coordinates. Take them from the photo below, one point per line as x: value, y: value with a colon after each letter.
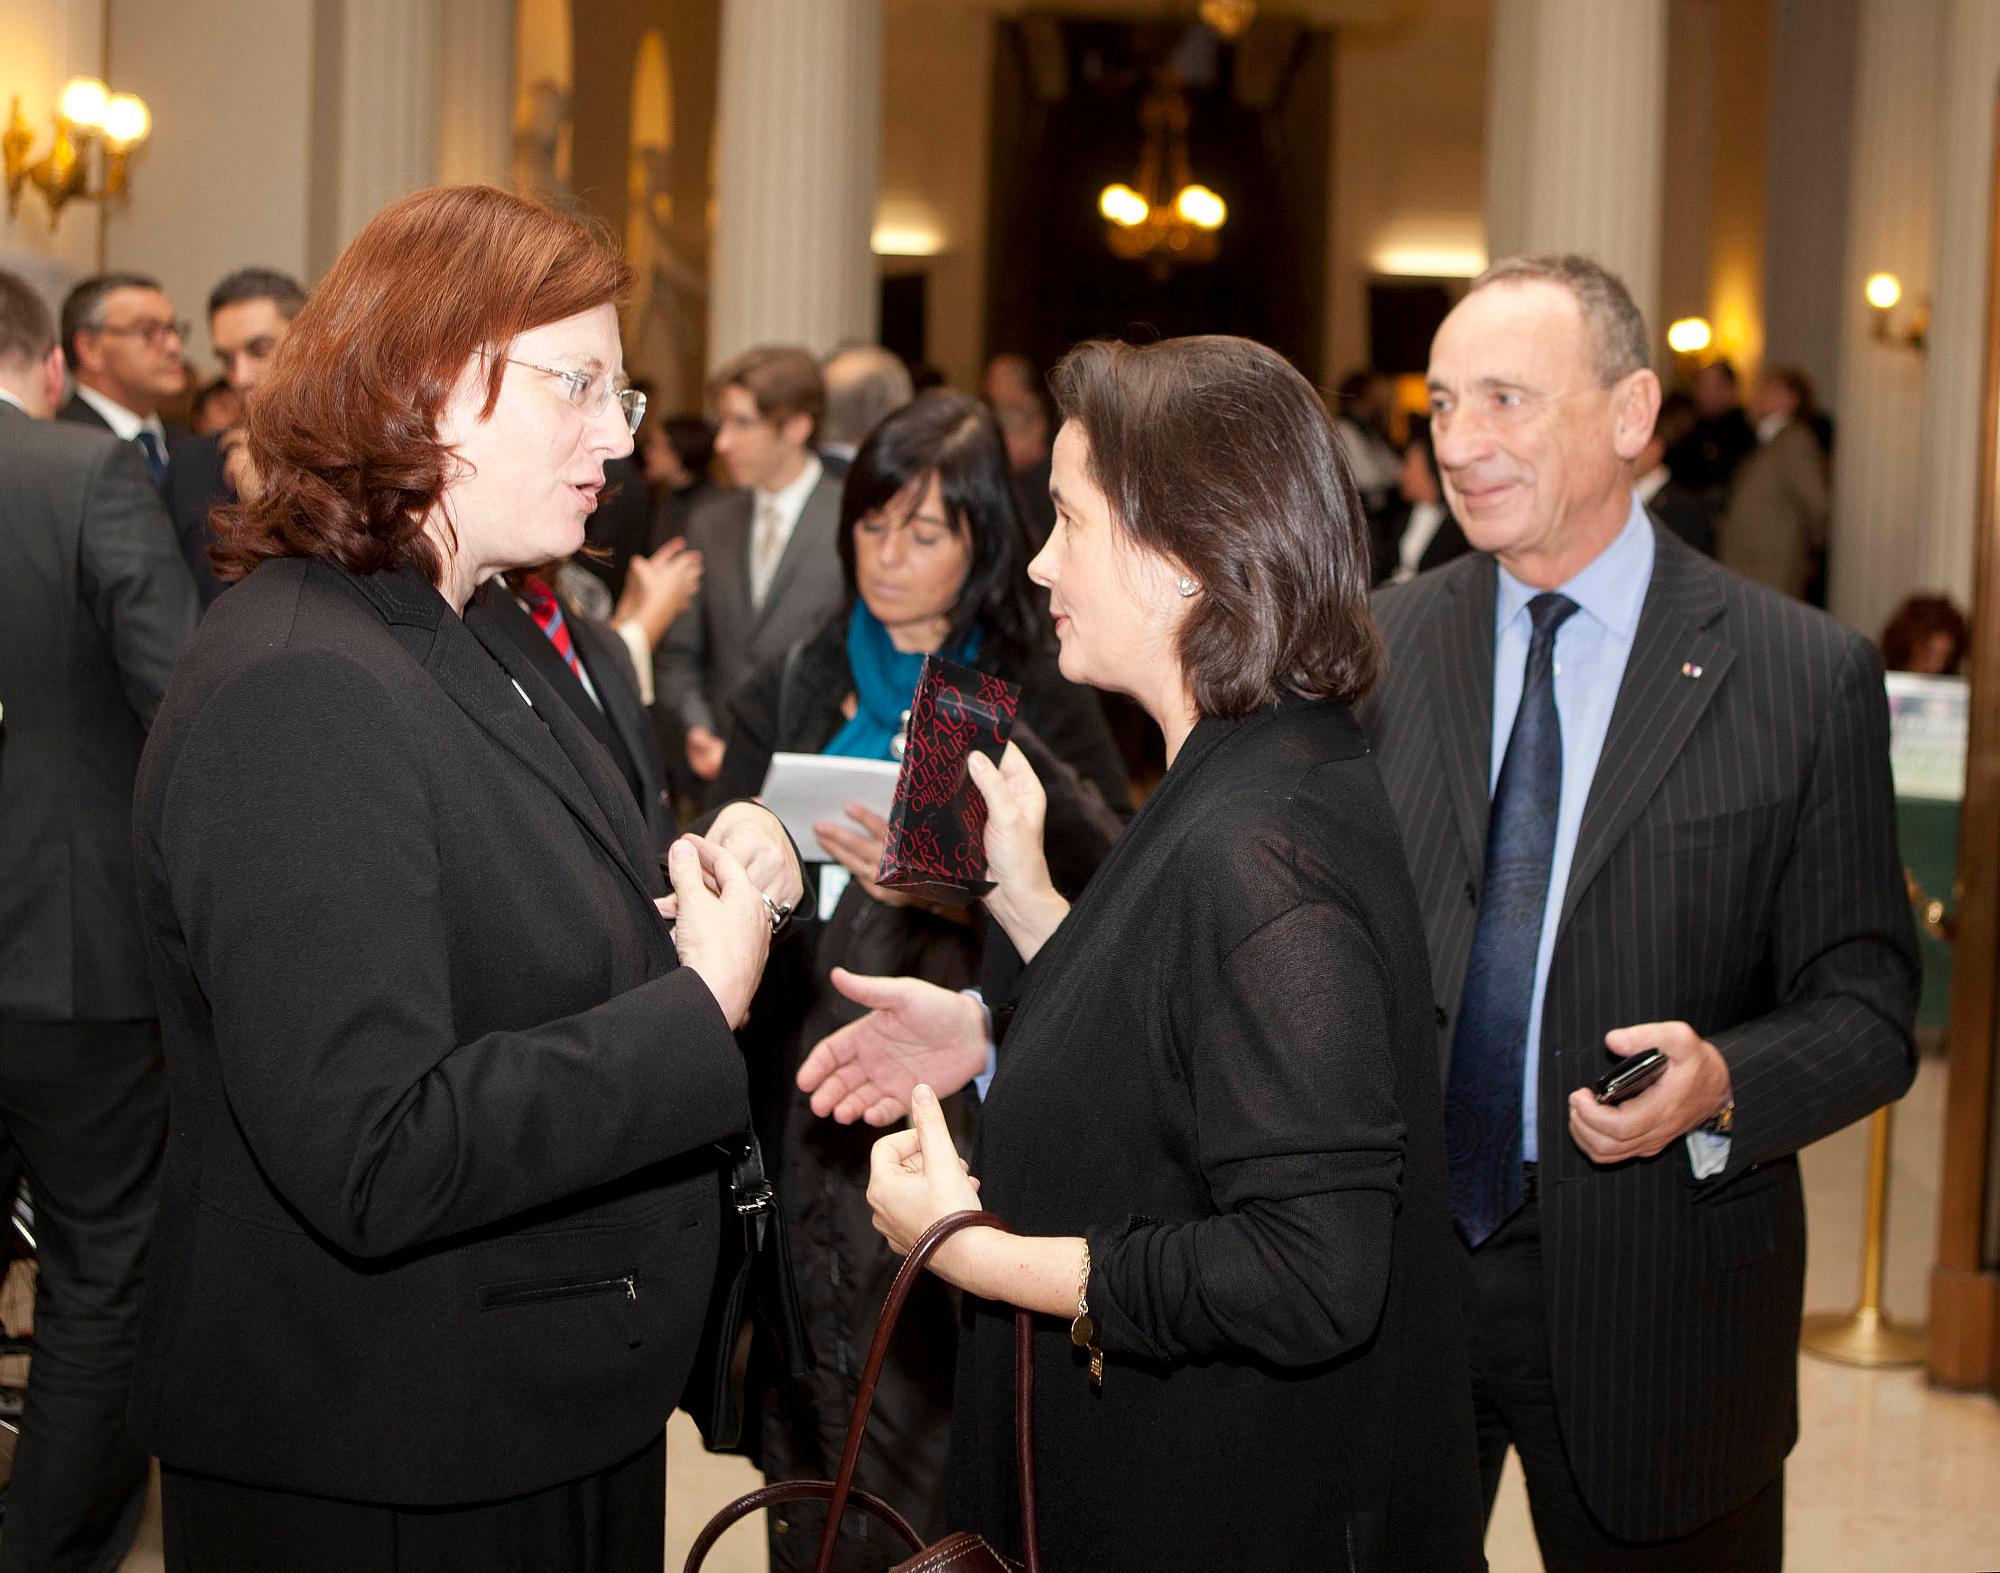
x: 1592, y: 647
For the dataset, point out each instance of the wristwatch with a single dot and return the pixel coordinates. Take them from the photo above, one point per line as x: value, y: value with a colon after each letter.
x: 781, y: 912
x: 1720, y: 1122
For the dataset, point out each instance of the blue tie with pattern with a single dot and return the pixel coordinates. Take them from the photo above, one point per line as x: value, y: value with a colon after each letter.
x: 1482, y: 1106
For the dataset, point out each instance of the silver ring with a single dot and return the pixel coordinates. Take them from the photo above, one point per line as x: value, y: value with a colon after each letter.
x: 780, y: 913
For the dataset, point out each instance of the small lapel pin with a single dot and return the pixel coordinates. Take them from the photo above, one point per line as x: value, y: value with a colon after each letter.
x: 1689, y: 669
x: 531, y: 704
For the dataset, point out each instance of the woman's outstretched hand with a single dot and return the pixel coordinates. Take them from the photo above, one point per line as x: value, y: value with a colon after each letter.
x: 914, y: 1032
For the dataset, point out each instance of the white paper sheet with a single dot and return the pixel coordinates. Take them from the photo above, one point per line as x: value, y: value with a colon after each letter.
x: 808, y: 789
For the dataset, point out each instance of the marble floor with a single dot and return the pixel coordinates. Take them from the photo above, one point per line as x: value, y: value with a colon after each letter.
x: 1889, y: 1473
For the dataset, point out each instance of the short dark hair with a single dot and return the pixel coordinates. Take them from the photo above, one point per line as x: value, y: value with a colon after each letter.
x: 1915, y: 621
x: 27, y: 333
x: 955, y: 438
x: 781, y: 380
x: 693, y: 441
x: 1795, y: 382
x: 1216, y: 452
x: 1616, y: 326
x: 83, y: 306
x: 280, y: 289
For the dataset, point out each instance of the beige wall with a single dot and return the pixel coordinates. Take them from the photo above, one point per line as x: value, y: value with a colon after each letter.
x: 44, y: 43
x: 937, y: 85
x: 1409, y: 116
x: 226, y: 179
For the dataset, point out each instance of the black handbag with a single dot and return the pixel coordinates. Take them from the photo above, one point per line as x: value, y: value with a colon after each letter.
x: 754, y: 1287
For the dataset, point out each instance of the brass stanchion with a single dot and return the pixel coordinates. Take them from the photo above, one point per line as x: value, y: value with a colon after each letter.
x: 1864, y: 1336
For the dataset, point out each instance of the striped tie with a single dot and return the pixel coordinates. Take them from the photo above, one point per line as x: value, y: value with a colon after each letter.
x: 547, y: 613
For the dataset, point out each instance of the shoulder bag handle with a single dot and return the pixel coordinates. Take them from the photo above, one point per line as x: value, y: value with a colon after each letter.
x: 878, y: 1352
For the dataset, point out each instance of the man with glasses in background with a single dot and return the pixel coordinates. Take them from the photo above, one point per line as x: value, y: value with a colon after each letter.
x: 249, y: 314
x: 123, y: 344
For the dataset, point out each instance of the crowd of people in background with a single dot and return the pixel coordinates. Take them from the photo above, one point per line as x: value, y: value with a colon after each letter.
x: 768, y: 574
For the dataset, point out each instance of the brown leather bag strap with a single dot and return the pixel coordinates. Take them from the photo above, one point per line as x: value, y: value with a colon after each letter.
x: 794, y: 1491
x: 878, y: 1353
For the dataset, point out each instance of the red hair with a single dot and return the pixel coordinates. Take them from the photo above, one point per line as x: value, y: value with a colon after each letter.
x: 344, y: 432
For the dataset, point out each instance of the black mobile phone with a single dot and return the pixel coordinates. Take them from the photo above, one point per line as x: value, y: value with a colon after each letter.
x: 1631, y: 1076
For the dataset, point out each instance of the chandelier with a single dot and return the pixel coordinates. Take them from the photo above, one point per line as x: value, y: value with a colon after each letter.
x: 1163, y: 217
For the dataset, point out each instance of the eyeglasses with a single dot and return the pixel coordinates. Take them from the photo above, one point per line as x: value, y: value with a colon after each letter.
x: 591, y: 391
x: 148, y: 333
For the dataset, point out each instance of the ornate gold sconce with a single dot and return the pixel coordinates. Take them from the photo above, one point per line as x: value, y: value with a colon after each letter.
x: 94, y: 126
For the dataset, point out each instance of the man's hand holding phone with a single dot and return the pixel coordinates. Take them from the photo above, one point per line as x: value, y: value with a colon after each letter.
x: 1690, y: 1092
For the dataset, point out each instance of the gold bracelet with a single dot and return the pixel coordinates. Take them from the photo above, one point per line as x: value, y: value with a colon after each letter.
x: 1083, y: 1331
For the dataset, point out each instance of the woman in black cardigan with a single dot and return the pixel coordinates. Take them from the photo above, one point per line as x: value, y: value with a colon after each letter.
x: 934, y: 556
x: 441, y: 1205
x: 1216, y: 1122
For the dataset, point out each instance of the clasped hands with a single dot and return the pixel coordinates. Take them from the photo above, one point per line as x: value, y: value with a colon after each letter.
x: 722, y: 927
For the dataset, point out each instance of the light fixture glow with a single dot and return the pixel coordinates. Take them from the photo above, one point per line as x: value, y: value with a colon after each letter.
x: 1123, y: 206
x: 1884, y: 290
x: 1201, y: 207
x: 83, y: 102
x: 905, y: 240
x: 1690, y: 336
x: 127, y: 121
x: 1428, y: 262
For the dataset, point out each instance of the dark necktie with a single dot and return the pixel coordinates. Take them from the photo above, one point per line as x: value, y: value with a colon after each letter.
x: 156, y: 461
x: 1490, y: 1047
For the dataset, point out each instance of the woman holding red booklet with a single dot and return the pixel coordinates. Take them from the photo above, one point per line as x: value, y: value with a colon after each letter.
x: 933, y: 554
x: 1215, y: 1123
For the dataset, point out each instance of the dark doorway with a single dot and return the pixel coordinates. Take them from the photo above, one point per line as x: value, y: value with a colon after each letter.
x: 906, y: 317
x: 1066, y: 105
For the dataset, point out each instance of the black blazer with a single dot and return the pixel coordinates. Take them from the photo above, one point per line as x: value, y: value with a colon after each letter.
x: 439, y: 1213
x: 616, y: 719
x: 98, y: 610
x: 197, y: 485
x: 76, y: 412
x: 1736, y: 869
x: 1220, y: 1070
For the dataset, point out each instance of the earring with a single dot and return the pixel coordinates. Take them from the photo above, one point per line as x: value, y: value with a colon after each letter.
x: 1186, y: 586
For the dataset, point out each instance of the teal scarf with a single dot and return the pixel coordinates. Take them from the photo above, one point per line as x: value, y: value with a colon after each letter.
x: 885, y: 681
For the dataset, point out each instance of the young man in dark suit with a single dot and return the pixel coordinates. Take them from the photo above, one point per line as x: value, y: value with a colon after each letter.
x: 1647, y: 805
x: 773, y: 571
x: 249, y: 315
x: 99, y: 607
x: 124, y: 345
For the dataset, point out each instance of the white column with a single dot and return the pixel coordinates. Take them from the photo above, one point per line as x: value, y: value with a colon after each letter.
x: 475, y: 92
x: 799, y: 139
x: 1575, y: 116
x: 388, y: 143
x: 1954, y: 374
x: 1876, y: 556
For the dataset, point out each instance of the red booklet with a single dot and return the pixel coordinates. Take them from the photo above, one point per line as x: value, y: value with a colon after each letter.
x: 936, y: 847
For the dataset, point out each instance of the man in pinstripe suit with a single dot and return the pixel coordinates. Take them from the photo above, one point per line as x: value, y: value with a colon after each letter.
x: 1646, y: 804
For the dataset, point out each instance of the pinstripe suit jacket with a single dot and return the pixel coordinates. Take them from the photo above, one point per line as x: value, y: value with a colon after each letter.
x: 1736, y: 869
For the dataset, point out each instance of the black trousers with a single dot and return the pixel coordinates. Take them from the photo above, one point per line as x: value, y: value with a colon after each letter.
x: 610, y: 1522
x: 1514, y: 1405
x: 85, y: 1104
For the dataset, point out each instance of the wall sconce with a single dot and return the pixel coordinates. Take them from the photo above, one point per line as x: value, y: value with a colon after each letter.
x: 1690, y: 336
x: 89, y: 116
x: 1885, y: 293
